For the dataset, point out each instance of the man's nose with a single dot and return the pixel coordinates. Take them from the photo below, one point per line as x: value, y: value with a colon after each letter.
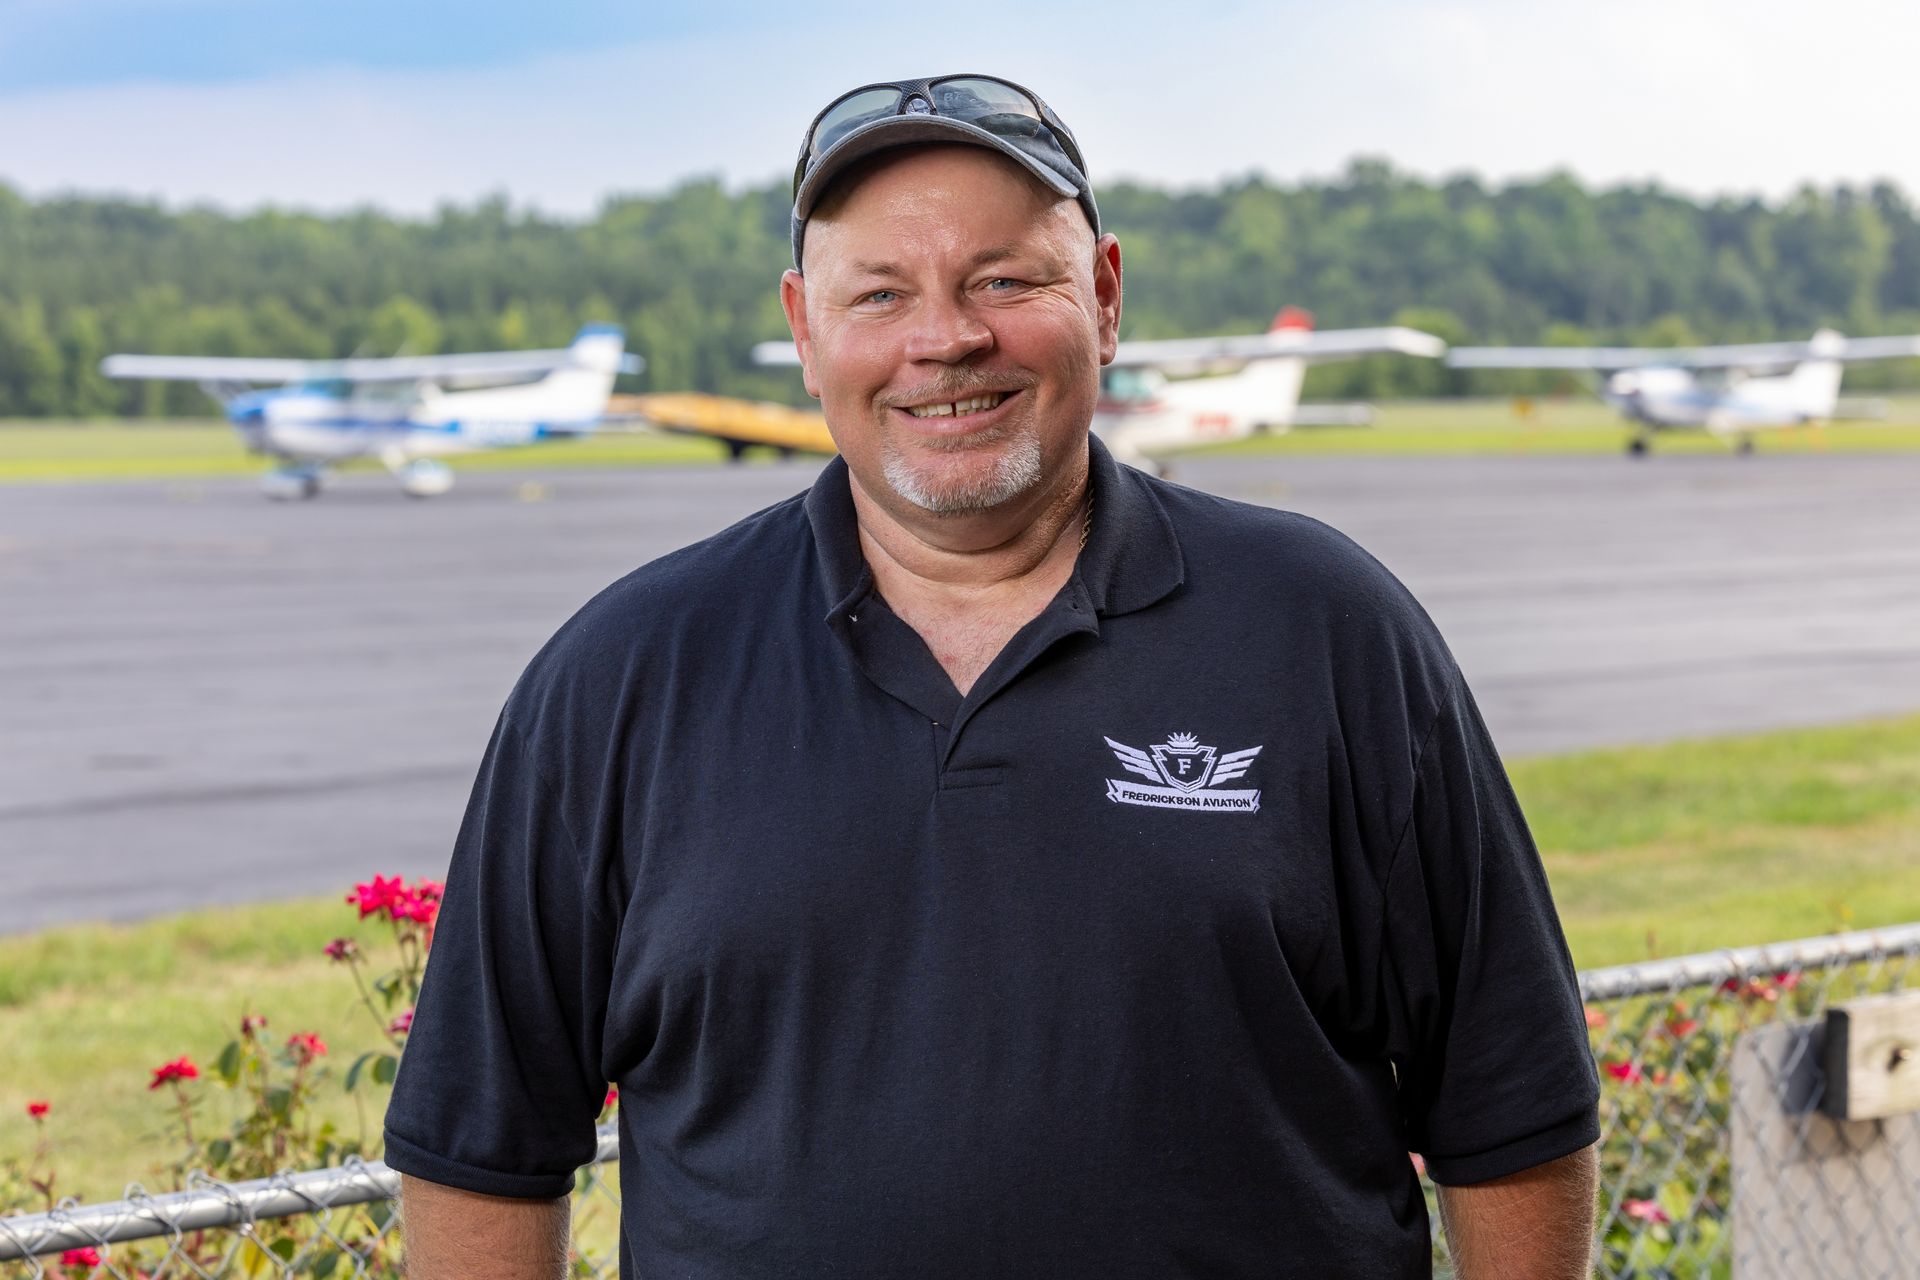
x: 948, y: 332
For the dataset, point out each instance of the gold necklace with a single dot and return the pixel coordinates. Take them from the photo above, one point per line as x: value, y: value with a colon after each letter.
x: 1086, y: 523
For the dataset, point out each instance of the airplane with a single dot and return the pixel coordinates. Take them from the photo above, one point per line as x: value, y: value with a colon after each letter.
x: 406, y: 411
x: 1157, y: 398
x: 738, y: 424
x: 1728, y: 391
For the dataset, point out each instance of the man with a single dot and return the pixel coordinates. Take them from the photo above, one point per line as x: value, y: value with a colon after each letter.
x: 993, y: 862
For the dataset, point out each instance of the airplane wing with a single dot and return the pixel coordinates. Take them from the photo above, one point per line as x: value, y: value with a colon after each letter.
x: 1210, y: 355
x: 776, y: 353
x: 1746, y: 355
x: 1881, y: 348
x: 475, y: 367
x: 1216, y: 355
x: 1608, y: 359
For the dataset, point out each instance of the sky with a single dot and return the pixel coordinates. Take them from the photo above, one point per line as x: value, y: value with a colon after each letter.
x: 406, y: 104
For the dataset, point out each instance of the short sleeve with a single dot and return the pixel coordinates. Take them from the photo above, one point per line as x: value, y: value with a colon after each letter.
x: 501, y: 1080
x: 1485, y: 1024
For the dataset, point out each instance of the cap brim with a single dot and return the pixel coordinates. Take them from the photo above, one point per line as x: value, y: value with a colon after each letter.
x: 901, y: 131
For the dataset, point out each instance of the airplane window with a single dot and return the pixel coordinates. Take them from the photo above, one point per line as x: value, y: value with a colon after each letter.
x: 1131, y: 384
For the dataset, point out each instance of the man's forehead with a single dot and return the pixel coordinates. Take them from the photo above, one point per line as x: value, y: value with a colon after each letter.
x: 935, y: 198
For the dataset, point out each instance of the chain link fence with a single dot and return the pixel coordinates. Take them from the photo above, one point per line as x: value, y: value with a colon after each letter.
x: 1663, y: 1036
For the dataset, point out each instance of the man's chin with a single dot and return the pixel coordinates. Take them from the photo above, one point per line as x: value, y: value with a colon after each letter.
x: 961, y: 482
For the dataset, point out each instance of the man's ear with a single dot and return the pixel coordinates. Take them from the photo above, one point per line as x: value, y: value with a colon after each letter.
x: 1106, y: 293
x: 793, y: 300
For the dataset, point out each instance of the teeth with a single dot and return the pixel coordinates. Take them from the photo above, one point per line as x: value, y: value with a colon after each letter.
x: 975, y: 404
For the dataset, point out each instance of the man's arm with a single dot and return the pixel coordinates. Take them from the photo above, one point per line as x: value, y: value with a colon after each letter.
x: 1536, y: 1224
x: 452, y: 1234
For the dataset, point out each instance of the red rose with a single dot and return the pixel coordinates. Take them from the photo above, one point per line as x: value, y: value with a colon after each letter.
x: 180, y: 1068
x: 87, y: 1257
x: 38, y: 1109
x: 306, y: 1046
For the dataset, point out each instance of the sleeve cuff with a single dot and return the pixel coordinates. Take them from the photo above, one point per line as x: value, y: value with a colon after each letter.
x: 1536, y: 1148
x: 416, y: 1161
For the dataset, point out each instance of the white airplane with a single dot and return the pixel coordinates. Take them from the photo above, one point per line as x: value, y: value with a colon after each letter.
x: 1156, y: 398
x: 1730, y: 391
x: 406, y: 411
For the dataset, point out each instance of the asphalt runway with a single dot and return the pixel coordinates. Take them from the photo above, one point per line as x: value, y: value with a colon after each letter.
x: 207, y: 697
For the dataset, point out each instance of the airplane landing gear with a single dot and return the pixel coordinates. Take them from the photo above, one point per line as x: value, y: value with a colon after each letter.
x: 1638, y: 447
x: 291, y: 484
x: 425, y: 478
x: 1744, y: 446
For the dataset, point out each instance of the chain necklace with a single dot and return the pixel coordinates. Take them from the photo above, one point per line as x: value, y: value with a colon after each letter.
x: 1086, y: 523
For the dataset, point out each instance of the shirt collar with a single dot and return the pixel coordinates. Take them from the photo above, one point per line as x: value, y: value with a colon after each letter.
x: 1132, y: 558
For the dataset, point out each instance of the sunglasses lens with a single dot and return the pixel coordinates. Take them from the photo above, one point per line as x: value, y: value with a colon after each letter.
x: 849, y: 114
x: 995, y: 107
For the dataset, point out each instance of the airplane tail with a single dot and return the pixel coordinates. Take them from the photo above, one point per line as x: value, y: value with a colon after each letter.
x: 1275, y: 380
x: 1815, y: 381
x: 578, y: 391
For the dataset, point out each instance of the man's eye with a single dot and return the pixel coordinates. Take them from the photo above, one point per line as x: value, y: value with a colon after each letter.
x: 1001, y: 284
x: 880, y: 295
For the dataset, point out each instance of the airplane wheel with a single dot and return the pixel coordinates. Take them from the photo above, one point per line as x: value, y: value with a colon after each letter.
x: 1638, y: 447
x: 1745, y: 447
x: 309, y: 486
x: 736, y: 451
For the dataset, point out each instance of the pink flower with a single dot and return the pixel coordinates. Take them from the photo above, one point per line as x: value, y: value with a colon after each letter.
x: 1680, y: 1026
x: 1419, y: 1163
x: 613, y: 1096
x: 88, y: 1257
x: 1596, y: 1018
x: 1645, y: 1211
x: 306, y: 1046
x: 377, y: 896
x: 252, y: 1022
x: 38, y: 1110
x: 403, y: 1024
x: 180, y: 1068
x: 1626, y: 1072
x: 341, y: 949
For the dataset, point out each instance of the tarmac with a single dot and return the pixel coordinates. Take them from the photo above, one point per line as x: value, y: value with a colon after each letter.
x: 207, y: 697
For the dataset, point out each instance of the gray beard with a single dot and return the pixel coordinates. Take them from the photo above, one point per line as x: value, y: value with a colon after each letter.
x: 1017, y: 470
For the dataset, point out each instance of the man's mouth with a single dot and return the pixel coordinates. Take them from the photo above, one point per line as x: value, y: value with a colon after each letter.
x: 958, y: 408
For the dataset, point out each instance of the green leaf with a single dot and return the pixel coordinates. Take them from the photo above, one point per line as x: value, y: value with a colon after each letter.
x: 385, y: 1067
x: 283, y: 1249
x: 218, y: 1151
x: 279, y: 1100
x: 229, y: 1064
x: 353, y: 1072
x: 323, y: 1265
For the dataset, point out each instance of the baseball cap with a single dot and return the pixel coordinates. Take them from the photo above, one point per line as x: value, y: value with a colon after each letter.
x: 985, y: 111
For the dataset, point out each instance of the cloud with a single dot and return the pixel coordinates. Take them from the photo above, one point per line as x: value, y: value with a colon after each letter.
x: 1713, y: 95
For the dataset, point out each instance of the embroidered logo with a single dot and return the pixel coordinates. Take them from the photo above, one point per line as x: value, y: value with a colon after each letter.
x: 1187, y: 775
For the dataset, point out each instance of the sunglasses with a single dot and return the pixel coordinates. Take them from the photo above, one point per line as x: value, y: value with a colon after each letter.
x: 1000, y: 107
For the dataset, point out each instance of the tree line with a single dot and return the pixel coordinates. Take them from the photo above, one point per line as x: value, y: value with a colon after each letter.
x: 691, y: 274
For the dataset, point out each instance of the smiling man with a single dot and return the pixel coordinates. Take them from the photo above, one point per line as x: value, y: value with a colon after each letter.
x: 994, y: 862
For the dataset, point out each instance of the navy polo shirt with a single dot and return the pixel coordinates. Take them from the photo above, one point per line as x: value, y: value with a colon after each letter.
x: 1151, y: 956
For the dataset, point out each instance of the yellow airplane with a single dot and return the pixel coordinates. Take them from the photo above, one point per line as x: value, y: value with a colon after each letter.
x: 738, y: 424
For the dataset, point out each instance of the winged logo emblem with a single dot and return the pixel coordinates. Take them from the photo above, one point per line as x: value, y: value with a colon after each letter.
x: 1185, y: 773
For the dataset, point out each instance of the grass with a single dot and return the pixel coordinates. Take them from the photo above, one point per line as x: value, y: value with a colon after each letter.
x: 41, y: 452
x: 1557, y: 427
x: 1679, y: 848
x: 35, y: 452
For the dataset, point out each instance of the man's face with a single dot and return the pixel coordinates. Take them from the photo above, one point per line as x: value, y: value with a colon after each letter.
x: 953, y: 319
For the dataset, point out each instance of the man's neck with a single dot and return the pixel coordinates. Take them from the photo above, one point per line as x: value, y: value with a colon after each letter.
x: 968, y: 584
x: 963, y: 557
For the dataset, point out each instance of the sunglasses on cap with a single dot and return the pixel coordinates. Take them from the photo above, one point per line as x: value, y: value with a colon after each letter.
x: 984, y: 111
x: 1000, y: 107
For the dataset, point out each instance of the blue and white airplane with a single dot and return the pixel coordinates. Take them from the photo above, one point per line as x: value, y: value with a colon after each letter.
x: 406, y: 411
x: 1729, y: 391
